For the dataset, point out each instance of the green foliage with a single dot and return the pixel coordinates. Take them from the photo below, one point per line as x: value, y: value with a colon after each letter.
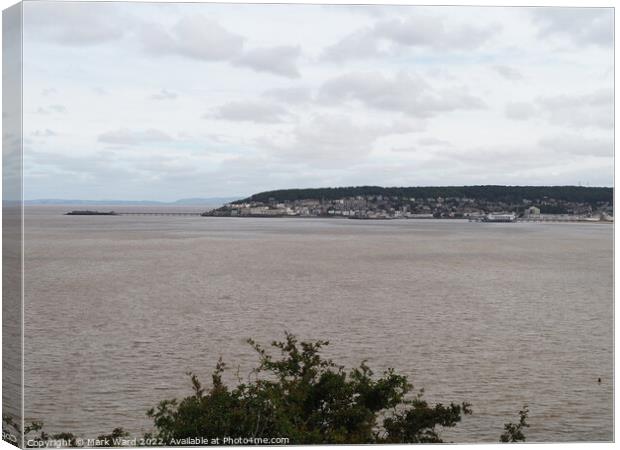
x: 509, y: 194
x: 308, y: 399
x: 552, y: 209
x: 514, y: 432
x: 109, y: 440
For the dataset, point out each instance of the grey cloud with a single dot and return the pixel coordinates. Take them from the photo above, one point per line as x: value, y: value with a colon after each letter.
x: 406, y: 93
x: 334, y: 139
x: 368, y: 10
x: 326, y: 139
x: 81, y: 167
x: 590, y: 110
x: 108, y: 174
x: 100, y: 91
x: 498, y: 161
x: 357, y: 45
x: 419, y: 31
x: 58, y: 108
x: 249, y: 111
x: 413, y: 31
x: 433, y: 142
x: 403, y: 150
x: 249, y: 171
x: 43, y: 133
x: 104, y: 164
x: 196, y: 37
x: 510, y: 73
x: 403, y: 126
x: 556, y: 156
x: 579, y: 145
x: 50, y: 109
x: 201, y: 38
x: 74, y: 24
x: 520, y: 110
x: 290, y: 95
x: 280, y: 60
x: 49, y: 91
x: 164, y: 94
x: 595, y: 109
x: 583, y: 26
x: 125, y: 136
x: 597, y: 98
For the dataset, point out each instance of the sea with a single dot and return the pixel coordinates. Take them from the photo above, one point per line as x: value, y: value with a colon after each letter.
x: 118, y: 310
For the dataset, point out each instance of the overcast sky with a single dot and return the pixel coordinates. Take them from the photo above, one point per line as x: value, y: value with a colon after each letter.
x: 168, y: 101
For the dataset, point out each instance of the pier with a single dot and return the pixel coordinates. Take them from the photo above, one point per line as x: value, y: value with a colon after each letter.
x: 133, y: 213
x: 119, y: 213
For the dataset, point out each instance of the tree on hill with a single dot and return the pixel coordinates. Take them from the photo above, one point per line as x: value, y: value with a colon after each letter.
x: 508, y: 194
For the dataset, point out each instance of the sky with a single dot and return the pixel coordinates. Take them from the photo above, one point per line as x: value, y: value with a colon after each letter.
x: 139, y: 101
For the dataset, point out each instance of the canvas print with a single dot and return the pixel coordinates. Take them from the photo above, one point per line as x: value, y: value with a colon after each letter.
x: 297, y: 224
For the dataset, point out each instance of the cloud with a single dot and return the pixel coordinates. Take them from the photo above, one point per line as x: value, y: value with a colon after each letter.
x: 202, y: 38
x: 280, y: 60
x: 58, y: 108
x: 328, y: 139
x: 590, y: 110
x: 50, y: 109
x: 101, y: 166
x: 501, y: 160
x: 431, y: 32
x: 196, y: 37
x: 43, y: 133
x: 519, y: 110
x: 389, y: 35
x: 305, y: 120
x: 594, y: 109
x: 164, y: 94
x: 360, y: 44
x: 297, y: 94
x: 75, y: 24
x: 249, y: 111
x: 433, y: 142
x: 573, y: 144
x: 582, y: 26
x: 406, y: 93
x: 100, y: 91
x: 124, y: 136
x: 509, y: 73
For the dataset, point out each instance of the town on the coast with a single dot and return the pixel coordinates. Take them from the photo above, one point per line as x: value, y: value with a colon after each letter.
x: 488, y: 205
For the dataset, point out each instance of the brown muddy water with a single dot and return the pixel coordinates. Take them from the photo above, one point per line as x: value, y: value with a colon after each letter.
x: 119, y: 308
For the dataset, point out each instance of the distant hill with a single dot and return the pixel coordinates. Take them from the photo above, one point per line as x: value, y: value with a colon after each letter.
x: 204, y: 201
x: 509, y: 194
x: 210, y: 201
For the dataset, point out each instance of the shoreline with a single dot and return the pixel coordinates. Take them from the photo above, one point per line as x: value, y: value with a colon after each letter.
x: 366, y: 219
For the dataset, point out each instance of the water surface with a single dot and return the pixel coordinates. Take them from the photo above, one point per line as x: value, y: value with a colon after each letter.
x: 119, y: 308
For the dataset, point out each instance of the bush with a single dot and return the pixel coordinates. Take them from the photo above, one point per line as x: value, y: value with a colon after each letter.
x: 308, y: 399
x: 514, y: 432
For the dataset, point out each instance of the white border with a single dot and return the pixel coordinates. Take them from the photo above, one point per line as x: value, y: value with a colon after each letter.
x: 592, y: 3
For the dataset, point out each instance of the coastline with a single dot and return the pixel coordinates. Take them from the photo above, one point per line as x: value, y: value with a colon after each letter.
x: 91, y: 213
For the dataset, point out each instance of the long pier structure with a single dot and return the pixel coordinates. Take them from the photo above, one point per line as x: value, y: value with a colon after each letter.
x: 120, y: 213
x: 132, y: 213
